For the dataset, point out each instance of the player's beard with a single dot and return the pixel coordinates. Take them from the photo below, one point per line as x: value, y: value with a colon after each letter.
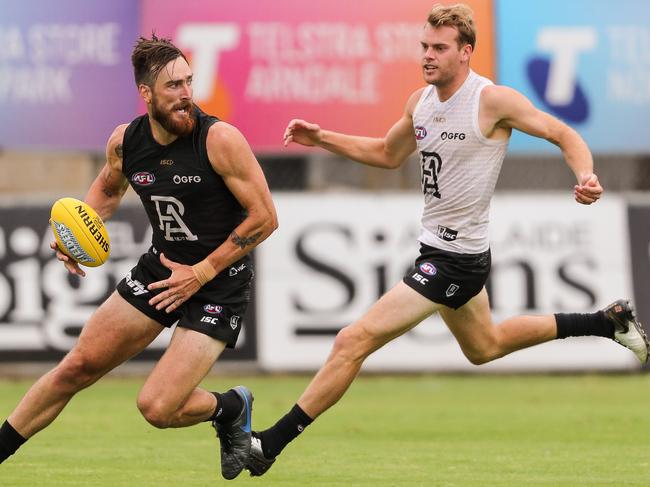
x: 167, y: 120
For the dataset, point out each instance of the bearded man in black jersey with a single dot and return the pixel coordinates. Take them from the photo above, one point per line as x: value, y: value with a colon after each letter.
x: 209, y: 205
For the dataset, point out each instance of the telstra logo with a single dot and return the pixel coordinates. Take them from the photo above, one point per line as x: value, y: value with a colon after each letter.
x: 554, y: 78
x: 207, y: 41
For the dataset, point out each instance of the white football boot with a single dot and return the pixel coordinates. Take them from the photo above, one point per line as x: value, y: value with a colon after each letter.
x: 627, y: 330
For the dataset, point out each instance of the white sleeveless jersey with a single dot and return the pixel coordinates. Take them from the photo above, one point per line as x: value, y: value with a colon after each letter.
x: 459, y: 168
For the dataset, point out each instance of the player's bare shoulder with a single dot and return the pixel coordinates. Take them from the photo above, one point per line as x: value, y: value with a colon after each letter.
x: 114, y: 147
x: 222, y: 134
x: 111, y: 178
x: 497, y: 105
x: 413, y: 100
x: 492, y: 96
x: 501, y: 101
x: 226, y: 146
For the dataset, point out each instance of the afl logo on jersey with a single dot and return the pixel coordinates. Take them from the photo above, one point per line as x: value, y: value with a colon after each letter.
x: 428, y: 268
x: 420, y: 132
x: 213, y: 309
x: 143, y: 178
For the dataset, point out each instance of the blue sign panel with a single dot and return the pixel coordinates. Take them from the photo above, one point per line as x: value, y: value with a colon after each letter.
x: 586, y: 62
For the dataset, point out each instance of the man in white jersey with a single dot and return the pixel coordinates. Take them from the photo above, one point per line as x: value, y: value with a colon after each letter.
x: 460, y: 124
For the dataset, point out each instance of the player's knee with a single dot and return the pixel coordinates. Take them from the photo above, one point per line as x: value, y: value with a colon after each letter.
x: 154, y: 412
x: 74, y: 373
x: 351, y: 343
x: 479, y: 355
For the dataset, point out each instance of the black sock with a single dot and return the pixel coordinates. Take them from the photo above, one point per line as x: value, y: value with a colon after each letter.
x: 281, y: 433
x: 584, y: 324
x: 10, y: 441
x: 229, y: 406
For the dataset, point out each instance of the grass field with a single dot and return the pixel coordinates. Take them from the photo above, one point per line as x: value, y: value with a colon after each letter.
x: 585, y: 430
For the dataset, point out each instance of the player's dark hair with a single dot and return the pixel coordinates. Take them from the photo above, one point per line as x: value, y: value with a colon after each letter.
x: 459, y: 16
x: 150, y: 56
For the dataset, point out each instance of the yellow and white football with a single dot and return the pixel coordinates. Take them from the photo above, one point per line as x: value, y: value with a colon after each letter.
x: 79, y: 232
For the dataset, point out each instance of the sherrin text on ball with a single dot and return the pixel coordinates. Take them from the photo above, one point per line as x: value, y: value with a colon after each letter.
x: 79, y: 232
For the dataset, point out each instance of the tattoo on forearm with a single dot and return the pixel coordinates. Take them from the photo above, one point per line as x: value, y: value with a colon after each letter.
x: 106, y: 176
x: 118, y: 151
x: 243, y: 242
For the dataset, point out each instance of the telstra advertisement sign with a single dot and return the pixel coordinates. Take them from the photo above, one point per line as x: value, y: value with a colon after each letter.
x: 583, y: 64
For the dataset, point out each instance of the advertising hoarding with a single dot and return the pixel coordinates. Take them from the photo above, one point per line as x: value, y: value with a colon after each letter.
x: 349, y: 66
x: 65, y: 74
x: 333, y: 256
x: 43, y: 308
x: 337, y: 253
x: 584, y: 61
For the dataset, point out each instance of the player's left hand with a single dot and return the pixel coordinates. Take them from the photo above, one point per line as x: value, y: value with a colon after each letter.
x: 181, y: 285
x: 589, y: 190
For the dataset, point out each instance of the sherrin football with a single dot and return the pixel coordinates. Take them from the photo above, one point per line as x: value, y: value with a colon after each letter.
x: 79, y: 232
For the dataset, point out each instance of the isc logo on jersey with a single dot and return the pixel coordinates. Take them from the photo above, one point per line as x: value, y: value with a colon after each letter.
x: 79, y: 232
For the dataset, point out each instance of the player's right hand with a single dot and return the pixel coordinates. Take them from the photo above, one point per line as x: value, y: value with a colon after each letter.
x: 589, y: 190
x: 302, y: 132
x: 71, y: 265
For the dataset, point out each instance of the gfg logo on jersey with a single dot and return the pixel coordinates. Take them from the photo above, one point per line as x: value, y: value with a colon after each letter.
x: 428, y: 268
x: 143, y: 178
x: 452, y: 136
x: 555, y: 77
x: 213, y: 309
x: 186, y: 179
x: 420, y: 132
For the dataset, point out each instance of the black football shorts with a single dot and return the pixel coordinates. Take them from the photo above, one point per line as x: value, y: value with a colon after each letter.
x: 448, y: 278
x: 217, y: 313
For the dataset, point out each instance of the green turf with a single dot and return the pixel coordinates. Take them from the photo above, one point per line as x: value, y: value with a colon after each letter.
x: 488, y: 431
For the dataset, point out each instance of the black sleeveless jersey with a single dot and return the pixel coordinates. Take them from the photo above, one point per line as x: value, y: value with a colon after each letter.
x: 189, y: 206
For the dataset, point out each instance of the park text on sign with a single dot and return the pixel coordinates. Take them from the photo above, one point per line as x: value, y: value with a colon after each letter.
x: 38, y: 61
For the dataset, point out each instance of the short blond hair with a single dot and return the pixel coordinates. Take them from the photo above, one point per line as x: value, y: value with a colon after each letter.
x: 459, y: 16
